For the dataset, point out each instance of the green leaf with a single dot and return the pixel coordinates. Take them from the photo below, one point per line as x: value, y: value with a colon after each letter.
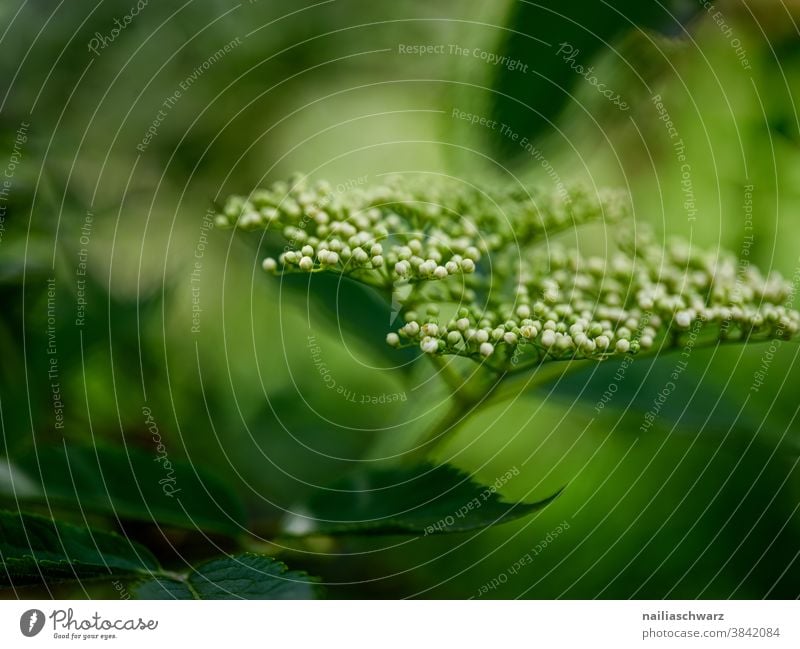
x: 421, y: 500
x: 246, y: 576
x: 135, y: 485
x: 352, y: 307
x: 530, y: 101
x: 697, y: 403
x: 35, y: 549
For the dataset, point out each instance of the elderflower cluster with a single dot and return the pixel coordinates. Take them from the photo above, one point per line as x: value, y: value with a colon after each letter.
x: 565, y: 306
x: 514, y: 302
x: 405, y: 231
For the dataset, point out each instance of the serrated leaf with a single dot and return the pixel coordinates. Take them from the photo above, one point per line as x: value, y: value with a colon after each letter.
x: 421, y: 500
x: 247, y: 576
x: 34, y: 548
x: 135, y: 485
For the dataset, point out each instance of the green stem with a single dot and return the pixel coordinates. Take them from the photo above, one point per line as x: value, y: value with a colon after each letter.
x: 467, y: 402
x: 451, y: 377
x: 464, y: 403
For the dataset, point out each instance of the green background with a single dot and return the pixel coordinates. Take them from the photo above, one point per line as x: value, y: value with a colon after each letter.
x: 704, y: 504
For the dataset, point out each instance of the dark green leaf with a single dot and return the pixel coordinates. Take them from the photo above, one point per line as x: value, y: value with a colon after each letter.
x: 35, y: 549
x: 246, y: 576
x: 352, y: 307
x: 162, y: 588
x: 529, y: 101
x: 421, y: 500
x: 697, y: 403
x: 135, y: 485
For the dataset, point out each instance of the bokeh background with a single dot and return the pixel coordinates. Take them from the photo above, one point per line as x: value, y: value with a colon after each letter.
x: 704, y: 504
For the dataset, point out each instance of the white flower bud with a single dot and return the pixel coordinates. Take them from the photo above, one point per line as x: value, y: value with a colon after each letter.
x: 622, y: 302
x: 429, y: 345
x: 427, y: 268
x: 564, y: 342
x: 472, y: 253
x: 486, y: 349
x: 393, y: 339
x: 250, y: 219
x: 467, y: 265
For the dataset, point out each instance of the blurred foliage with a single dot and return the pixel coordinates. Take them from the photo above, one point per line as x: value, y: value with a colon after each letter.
x: 704, y: 504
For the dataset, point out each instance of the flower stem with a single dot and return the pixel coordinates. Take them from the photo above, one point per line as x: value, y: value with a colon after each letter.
x: 465, y: 402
